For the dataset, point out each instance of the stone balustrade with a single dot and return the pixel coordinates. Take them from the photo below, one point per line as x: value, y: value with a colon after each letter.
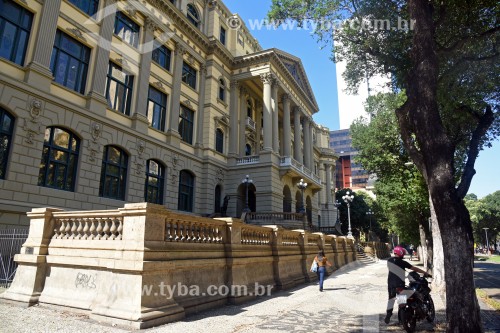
x: 117, y: 264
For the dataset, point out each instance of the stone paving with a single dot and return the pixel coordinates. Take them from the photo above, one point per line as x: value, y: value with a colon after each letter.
x: 353, y: 300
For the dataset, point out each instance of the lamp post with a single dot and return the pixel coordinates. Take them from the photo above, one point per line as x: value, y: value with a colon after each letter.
x: 370, y: 213
x: 487, y: 243
x: 348, y: 199
x: 302, y: 186
x: 246, y: 181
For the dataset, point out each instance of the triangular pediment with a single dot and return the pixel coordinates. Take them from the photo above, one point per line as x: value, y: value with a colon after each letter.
x: 296, y: 69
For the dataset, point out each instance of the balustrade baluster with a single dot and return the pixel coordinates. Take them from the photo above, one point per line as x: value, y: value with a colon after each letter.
x: 113, y: 229
x: 92, y: 230
x: 79, y: 230
x: 120, y: 229
x: 72, y: 230
x: 86, y: 229
x: 99, y: 228
x: 106, y: 228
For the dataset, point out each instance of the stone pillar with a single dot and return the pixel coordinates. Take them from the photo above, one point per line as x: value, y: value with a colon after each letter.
x: 96, y: 99
x: 233, y: 128
x: 267, y: 109
x: 200, y: 114
x: 311, y: 145
x: 175, y: 99
x: 307, y: 142
x: 328, y: 171
x: 139, y: 118
x: 287, y: 129
x: 297, y: 152
x: 258, y: 126
x: 243, y: 119
x: 39, y: 73
x: 276, y: 134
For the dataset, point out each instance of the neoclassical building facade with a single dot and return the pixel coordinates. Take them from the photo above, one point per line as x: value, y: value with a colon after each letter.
x: 171, y: 102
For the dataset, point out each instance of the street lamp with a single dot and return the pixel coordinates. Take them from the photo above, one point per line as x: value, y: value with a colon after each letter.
x: 487, y: 243
x: 302, y: 186
x: 348, y: 199
x: 370, y: 213
x: 246, y: 181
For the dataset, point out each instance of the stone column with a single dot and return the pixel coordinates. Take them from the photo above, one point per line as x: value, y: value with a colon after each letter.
x: 139, y: 118
x: 39, y: 73
x: 287, y: 130
x: 328, y: 171
x: 258, y: 127
x: 276, y: 134
x: 97, y: 101
x: 311, y: 145
x: 267, y: 109
x: 307, y: 142
x: 243, y: 119
x: 233, y: 130
x: 175, y: 99
x: 200, y: 114
x: 297, y: 153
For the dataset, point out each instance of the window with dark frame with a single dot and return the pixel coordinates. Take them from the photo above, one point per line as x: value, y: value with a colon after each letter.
x: 248, y: 150
x: 113, y: 173
x: 155, y: 176
x: 69, y: 62
x: 6, y: 131
x: 119, y: 89
x: 186, y: 191
x: 222, y: 35
x: 156, y: 111
x: 59, y: 159
x: 161, y: 55
x: 222, y: 90
x: 186, y: 124
x: 15, y: 28
x: 89, y: 7
x: 189, y: 75
x: 249, y: 109
x: 193, y: 16
x: 126, y: 29
x: 219, y: 141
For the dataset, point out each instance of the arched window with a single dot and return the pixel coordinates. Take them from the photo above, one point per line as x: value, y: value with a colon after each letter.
x: 186, y: 191
x: 193, y: 16
x: 155, y: 175
x: 219, y: 140
x: 248, y: 150
x: 222, y: 90
x: 6, y: 130
x: 113, y: 173
x: 59, y: 159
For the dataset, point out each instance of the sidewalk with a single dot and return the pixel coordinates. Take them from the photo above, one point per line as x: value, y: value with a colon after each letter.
x: 353, y: 300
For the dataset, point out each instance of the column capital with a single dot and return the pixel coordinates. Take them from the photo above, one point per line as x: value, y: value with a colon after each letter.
x: 243, y: 91
x: 150, y: 24
x: 203, y: 69
x: 234, y: 84
x: 179, y: 49
x: 275, y: 83
x: 285, y: 97
x: 267, y: 78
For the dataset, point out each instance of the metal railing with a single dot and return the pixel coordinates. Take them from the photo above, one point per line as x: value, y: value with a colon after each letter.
x: 11, y: 241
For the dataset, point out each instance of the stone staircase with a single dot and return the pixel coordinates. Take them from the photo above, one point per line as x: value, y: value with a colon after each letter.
x: 362, y: 257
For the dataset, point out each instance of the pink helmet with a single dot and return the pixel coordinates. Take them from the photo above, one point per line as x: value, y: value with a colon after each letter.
x: 399, y: 251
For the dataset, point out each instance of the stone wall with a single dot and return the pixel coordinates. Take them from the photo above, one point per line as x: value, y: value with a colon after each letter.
x: 122, y: 265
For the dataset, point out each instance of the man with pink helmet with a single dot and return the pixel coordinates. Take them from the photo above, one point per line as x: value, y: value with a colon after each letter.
x: 396, y: 278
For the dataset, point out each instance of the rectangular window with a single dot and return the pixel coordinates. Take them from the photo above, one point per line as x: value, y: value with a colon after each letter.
x: 119, y: 89
x: 186, y: 124
x: 157, y: 105
x: 15, y: 28
x: 222, y: 35
x: 126, y: 29
x: 70, y: 62
x: 189, y: 75
x: 88, y: 6
x: 161, y: 55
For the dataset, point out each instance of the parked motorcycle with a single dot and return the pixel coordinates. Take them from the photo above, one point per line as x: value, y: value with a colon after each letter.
x: 415, y: 302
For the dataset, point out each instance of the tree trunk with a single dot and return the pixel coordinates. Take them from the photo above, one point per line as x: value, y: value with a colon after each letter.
x: 427, y: 143
x: 438, y: 282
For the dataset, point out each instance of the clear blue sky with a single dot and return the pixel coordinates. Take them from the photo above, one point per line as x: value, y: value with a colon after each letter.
x: 322, y: 77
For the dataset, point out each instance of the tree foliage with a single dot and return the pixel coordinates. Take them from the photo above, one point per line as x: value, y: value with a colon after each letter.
x: 484, y: 213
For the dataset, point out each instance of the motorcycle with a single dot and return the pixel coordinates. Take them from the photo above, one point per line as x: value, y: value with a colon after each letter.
x: 415, y: 302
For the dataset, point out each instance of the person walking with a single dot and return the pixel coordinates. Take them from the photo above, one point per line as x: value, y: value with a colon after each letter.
x: 322, y: 262
x: 396, y: 277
